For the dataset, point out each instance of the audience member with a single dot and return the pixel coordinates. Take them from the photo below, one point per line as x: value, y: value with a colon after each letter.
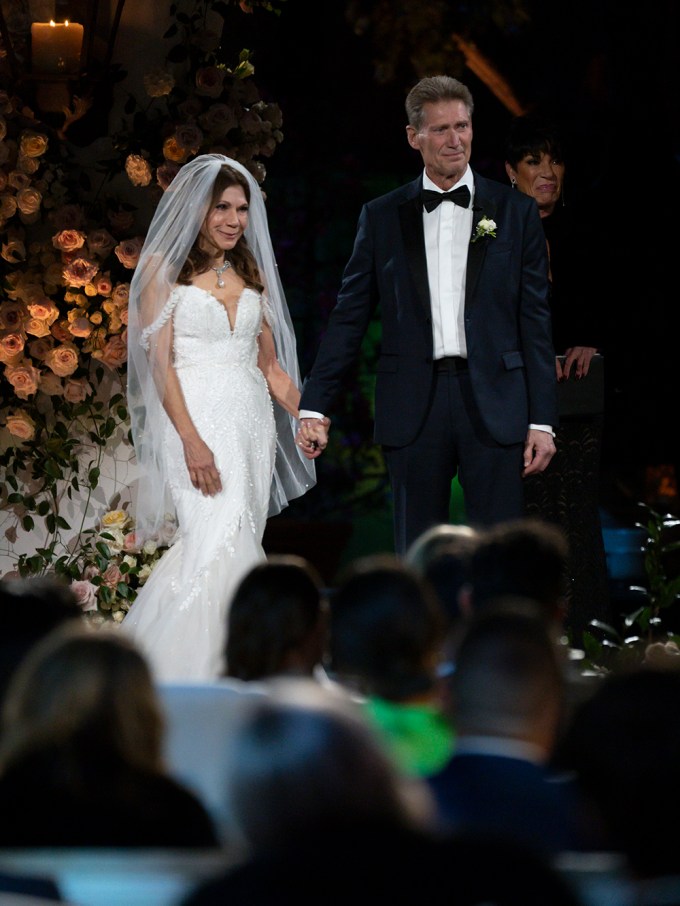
x: 29, y: 609
x: 623, y: 744
x: 80, y: 751
x: 328, y: 818
x: 525, y: 557
x: 277, y: 621
x: 441, y: 554
x: 387, y: 635
x: 508, y: 697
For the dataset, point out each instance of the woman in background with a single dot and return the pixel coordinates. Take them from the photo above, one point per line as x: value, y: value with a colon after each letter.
x: 567, y: 492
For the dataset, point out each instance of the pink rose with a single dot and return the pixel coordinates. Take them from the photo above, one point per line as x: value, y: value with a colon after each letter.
x: 85, y: 594
x: 127, y: 251
x: 68, y: 240
x: 23, y: 377
x: 76, y: 390
x: 63, y: 360
x: 112, y: 576
x: 80, y: 327
x: 79, y: 272
x: 44, y: 310
x: 12, y: 342
x: 104, y: 285
x: 114, y: 352
x: 131, y: 542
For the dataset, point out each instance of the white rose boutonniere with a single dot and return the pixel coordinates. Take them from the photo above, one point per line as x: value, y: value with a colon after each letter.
x: 485, y: 227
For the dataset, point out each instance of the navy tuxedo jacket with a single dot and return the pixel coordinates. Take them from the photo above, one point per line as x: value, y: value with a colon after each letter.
x: 507, y: 317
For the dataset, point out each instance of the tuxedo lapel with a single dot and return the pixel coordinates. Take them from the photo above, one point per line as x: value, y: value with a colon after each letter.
x: 411, y: 221
x: 483, y: 206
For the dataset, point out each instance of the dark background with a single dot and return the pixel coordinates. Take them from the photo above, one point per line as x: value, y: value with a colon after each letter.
x: 609, y: 74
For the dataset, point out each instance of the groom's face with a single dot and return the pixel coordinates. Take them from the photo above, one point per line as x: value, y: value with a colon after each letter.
x: 445, y: 141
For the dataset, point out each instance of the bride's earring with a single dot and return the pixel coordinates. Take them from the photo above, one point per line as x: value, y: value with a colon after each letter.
x: 513, y: 182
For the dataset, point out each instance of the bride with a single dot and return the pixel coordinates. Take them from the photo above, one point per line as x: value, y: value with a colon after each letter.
x: 213, y: 394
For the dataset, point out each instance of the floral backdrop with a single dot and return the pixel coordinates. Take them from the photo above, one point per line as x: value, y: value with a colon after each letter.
x: 69, y: 248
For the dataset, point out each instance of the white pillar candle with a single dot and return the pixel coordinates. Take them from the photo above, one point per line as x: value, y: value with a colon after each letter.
x: 55, y: 47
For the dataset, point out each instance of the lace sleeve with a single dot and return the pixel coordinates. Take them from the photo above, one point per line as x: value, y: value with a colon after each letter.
x: 161, y: 320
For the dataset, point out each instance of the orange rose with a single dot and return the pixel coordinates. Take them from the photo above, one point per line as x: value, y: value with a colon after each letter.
x: 21, y: 425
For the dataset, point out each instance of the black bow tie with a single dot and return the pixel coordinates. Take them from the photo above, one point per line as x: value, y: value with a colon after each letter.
x: 431, y: 199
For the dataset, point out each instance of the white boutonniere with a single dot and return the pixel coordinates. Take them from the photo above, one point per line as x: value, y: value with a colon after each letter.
x: 485, y: 227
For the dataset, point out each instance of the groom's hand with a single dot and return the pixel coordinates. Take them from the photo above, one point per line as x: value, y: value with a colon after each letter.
x: 313, y: 436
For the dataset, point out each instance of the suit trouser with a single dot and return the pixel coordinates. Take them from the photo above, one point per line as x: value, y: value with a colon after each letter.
x: 453, y: 441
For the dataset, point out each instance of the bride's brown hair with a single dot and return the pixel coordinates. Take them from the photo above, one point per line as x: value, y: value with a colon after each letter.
x: 241, y: 258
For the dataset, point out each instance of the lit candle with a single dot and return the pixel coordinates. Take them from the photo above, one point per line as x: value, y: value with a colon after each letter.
x: 55, y: 47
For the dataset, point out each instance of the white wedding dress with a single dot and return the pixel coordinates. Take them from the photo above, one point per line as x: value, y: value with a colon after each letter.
x: 179, y: 617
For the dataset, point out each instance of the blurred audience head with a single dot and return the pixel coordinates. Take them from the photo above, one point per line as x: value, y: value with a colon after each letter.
x: 509, y: 676
x: 387, y: 629
x: 441, y: 555
x: 303, y: 761
x: 87, y: 694
x: 525, y: 557
x: 29, y: 609
x: 277, y: 621
x: 623, y: 743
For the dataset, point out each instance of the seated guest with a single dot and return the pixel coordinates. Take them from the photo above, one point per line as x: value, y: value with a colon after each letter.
x: 80, y: 751
x: 29, y: 609
x: 277, y: 621
x: 507, y: 691
x: 386, y: 644
x: 623, y: 745
x: 327, y: 816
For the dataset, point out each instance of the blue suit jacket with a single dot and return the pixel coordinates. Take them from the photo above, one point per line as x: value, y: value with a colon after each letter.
x: 507, y: 317
x: 511, y: 797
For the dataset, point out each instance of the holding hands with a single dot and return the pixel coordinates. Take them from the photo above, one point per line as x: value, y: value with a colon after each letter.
x: 312, y: 438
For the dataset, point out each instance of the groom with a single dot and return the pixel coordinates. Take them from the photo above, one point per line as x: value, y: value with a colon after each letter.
x: 466, y: 380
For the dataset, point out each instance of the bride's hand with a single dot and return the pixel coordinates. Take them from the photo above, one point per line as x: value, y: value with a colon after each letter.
x: 203, y: 472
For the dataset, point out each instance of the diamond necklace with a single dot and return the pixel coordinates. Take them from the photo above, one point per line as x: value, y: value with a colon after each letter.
x: 220, y: 270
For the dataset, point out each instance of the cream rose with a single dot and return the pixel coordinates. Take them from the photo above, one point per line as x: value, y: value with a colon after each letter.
x: 63, y: 359
x: 44, y: 310
x: 115, y: 519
